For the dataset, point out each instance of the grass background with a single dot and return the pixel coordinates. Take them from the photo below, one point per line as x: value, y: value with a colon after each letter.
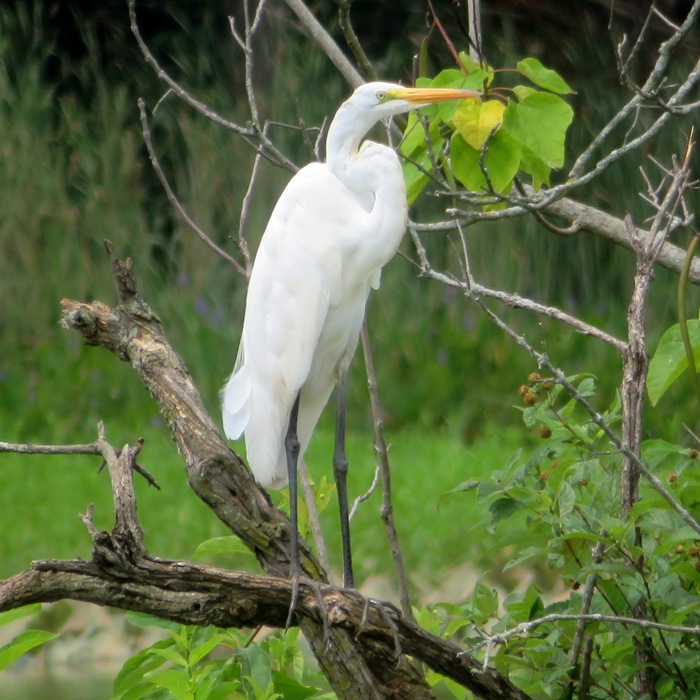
x: 73, y: 171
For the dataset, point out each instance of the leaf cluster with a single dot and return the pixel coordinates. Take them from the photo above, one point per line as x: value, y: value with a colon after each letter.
x: 557, y: 511
x: 206, y: 663
x: 489, y: 142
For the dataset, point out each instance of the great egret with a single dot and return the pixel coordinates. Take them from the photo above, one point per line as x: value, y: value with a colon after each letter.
x: 333, y: 228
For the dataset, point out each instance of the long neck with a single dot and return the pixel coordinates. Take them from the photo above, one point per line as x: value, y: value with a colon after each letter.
x: 374, y: 174
x: 345, y: 133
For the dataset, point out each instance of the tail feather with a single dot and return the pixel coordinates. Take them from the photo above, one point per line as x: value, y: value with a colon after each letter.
x: 236, y: 403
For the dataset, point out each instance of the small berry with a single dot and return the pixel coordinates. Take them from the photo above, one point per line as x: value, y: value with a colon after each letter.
x: 548, y: 384
x: 693, y: 551
x: 576, y: 585
x: 680, y: 549
x: 692, y: 453
x: 544, y: 476
x: 544, y: 431
x: 583, y: 481
x: 523, y: 389
x: 529, y: 398
x: 533, y: 377
x: 672, y: 478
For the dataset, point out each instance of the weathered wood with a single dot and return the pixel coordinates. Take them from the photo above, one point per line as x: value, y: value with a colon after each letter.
x: 200, y: 595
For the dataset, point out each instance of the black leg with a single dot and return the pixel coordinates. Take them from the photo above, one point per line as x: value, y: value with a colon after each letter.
x: 291, y: 446
x: 340, y: 472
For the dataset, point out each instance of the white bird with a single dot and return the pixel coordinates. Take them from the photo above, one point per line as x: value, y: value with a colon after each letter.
x: 332, y: 230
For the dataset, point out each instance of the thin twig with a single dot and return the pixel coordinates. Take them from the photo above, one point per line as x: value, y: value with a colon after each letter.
x: 445, y: 37
x: 525, y: 628
x: 172, y: 198
x: 245, y: 206
x: 246, y: 44
x: 382, y: 454
x: 366, y: 495
x: 99, y: 447
x: 251, y: 133
x: 510, y: 298
x: 587, y: 599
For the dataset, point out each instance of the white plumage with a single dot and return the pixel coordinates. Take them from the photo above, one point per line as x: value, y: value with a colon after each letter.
x: 333, y: 228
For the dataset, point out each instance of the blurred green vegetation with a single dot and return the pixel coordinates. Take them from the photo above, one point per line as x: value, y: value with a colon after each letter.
x: 73, y: 171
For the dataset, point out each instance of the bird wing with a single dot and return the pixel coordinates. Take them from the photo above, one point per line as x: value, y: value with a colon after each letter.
x: 287, y: 303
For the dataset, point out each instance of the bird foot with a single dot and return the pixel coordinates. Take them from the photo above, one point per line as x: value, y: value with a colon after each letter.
x: 383, y: 608
x: 316, y: 588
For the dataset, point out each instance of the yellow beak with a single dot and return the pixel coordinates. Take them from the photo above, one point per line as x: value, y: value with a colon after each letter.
x: 430, y: 95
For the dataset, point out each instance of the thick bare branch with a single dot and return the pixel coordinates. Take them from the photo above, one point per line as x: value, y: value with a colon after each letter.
x: 199, y: 595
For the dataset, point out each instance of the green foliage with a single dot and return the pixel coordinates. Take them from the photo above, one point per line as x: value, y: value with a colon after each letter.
x: 558, y: 510
x: 490, y: 140
x: 206, y: 663
x: 26, y: 640
x: 670, y: 360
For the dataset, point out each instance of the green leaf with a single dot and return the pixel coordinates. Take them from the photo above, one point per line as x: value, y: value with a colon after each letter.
x: 290, y: 688
x: 670, y: 361
x: 172, y: 655
x: 546, y: 78
x: 145, y: 620
x: 470, y: 485
x: 524, y: 555
x: 535, y: 167
x: 230, y: 544
x: 656, y: 451
x: 502, y: 160
x: 475, y: 121
x: 413, y: 136
x: 174, y: 680
x: 21, y: 644
x: 18, y: 613
x: 484, y: 600
x: 135, y: 668
x: 413, y: 148
x: 539, y: 123
x: 523, y: 91
x: 476, y: 71
x: 504, y: 507
x: 206, y: 647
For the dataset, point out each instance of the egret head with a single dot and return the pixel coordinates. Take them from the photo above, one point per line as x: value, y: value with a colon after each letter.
x: 383, y: 100
x: 371, y: 103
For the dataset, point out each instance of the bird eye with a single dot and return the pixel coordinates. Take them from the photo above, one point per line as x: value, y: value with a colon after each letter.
x: 381, y: 95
